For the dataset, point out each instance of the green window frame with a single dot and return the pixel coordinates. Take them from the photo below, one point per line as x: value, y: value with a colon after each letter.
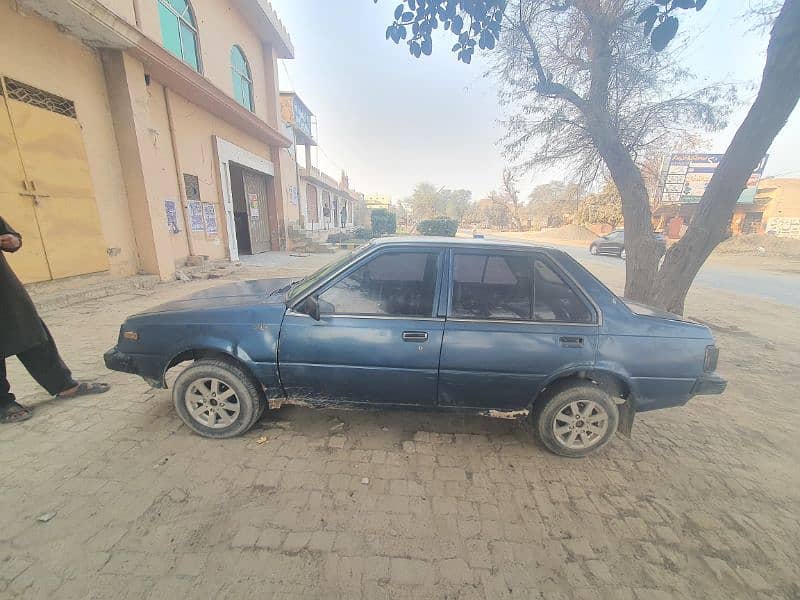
x: 242, y: 78
x: 179, y: 31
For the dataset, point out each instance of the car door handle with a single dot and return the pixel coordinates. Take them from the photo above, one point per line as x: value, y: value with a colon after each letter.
x: 415, y: 336
x: 571, y: 341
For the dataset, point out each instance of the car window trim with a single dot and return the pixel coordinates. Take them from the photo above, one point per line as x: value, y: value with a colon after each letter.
x: 532, y: 257
x: 346, y: 271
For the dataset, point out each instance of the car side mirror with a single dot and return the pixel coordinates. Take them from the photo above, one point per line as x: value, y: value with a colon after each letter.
x: 311, y: 307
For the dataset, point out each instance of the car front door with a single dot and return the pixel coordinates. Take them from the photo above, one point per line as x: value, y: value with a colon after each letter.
x: 513, y: 320
x: 377, y: 340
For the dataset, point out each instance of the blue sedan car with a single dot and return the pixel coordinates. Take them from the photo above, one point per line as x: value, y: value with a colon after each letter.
x: 440, y: 323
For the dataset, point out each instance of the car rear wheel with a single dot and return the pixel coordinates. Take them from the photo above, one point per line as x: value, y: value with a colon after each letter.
x: 218, y: 399
x: 593, y: 250
x: 575, y: 419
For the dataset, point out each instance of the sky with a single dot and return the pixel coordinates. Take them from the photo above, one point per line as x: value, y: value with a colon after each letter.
x: 391, y: 120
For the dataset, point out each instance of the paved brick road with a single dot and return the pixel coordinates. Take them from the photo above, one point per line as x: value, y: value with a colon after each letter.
x: 701, y: 503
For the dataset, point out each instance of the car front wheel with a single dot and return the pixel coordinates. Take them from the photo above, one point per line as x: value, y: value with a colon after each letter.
x: 593, y: 250
x: 575, y: 419
x: 622, y: 254
x: 217, y: 399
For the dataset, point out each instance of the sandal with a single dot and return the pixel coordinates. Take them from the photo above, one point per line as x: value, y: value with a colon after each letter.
x: 86, y: 389
x: 15, y: 413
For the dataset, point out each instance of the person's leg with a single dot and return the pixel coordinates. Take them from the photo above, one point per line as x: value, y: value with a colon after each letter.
x: 6, y: 397
x: 45, y: 365
x: 10, y: 411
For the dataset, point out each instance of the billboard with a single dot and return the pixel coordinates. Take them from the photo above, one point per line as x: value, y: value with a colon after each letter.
x: 687, y: 176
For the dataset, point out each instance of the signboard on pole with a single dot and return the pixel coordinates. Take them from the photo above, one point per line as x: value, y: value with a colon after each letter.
x: 688, y: 175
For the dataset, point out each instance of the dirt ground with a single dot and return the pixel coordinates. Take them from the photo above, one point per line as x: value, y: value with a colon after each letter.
x: 702, y: 502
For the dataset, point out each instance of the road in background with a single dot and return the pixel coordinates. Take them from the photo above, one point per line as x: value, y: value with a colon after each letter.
x: 769, y: 285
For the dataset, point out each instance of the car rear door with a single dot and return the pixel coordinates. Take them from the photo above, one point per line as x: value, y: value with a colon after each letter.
x: 502, y: 339
x: 378, y: 338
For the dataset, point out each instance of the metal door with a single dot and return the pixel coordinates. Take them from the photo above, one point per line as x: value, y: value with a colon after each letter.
x: 58, y: 214
x: 17, y: 208
x: 256, y: 196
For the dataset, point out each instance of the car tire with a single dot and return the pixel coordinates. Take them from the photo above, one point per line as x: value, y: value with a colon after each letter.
x: 242, y: 400
x: 622, y: 254
x: 593, y: 250
x: 553, y: 412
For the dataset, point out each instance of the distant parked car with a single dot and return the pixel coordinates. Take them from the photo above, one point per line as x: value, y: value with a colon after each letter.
x: 614, y: 244
x: 440, y: 323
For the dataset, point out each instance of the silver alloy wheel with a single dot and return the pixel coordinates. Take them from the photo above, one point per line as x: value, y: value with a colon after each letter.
x: 580, y: 425
x: 593, y: 250
x: 212, y: 403
x: 622, y: 254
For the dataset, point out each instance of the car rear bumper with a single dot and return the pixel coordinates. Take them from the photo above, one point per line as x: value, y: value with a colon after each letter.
x: 709, y: 385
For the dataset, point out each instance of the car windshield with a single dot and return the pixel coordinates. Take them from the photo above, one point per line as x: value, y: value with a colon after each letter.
x: 307, y: 283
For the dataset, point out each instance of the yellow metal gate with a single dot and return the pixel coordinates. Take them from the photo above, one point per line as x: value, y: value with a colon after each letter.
x: 45, y: 188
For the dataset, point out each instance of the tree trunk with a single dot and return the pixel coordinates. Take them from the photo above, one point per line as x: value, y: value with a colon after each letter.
x: 777, y: 98
x: 640, y: 246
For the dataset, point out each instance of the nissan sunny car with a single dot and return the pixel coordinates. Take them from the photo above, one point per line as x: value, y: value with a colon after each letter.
x: 439, y: 323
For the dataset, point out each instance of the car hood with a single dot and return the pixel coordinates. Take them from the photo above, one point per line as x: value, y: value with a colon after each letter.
x: 258, y: 291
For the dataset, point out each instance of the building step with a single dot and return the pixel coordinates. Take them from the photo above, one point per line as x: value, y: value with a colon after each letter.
x: 49, y: 295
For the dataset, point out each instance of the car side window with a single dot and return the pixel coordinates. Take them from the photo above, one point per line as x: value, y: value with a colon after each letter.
x: 492, y: 287
x: 554, y: 300
x: 396, y: 284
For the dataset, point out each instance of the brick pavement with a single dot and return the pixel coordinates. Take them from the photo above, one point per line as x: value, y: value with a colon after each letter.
x: 702, y: 502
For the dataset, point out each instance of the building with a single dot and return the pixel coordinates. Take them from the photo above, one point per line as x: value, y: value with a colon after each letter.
x: 781, y: 201
x: 136, y: 133
x: 774, y: 208
x: 317, y: 201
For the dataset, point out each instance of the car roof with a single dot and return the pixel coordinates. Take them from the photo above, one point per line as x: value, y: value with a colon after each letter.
x: 447, y: 242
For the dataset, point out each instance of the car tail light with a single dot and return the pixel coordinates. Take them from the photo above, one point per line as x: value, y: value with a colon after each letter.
x: 712, y: 355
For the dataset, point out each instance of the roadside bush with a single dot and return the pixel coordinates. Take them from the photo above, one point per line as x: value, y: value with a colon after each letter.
x: 362, y: 233
x: 439, y: 226
x: 384, y: 222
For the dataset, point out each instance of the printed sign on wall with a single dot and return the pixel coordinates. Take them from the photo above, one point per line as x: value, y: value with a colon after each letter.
x: 196, y: 215
x: 171, y: 208
x: 252, y: 205
x: 210, y: 214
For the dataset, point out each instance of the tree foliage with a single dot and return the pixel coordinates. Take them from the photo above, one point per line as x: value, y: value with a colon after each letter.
x: 549, y: 204
x: 493, y: 212
x: 555, y: 92
x: 427, y: 202
x: 384, y: 222
x: 602, y: 207
x: 479, y: 23
x: 444, y: 226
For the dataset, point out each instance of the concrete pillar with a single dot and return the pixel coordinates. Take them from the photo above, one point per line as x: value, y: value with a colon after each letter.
x: 281, y: 197
x: 127, y: 94
x: 271, y: 81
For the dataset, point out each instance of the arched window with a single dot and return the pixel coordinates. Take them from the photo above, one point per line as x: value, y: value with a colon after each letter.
x: 179, y: 31
x: 242, y: 79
